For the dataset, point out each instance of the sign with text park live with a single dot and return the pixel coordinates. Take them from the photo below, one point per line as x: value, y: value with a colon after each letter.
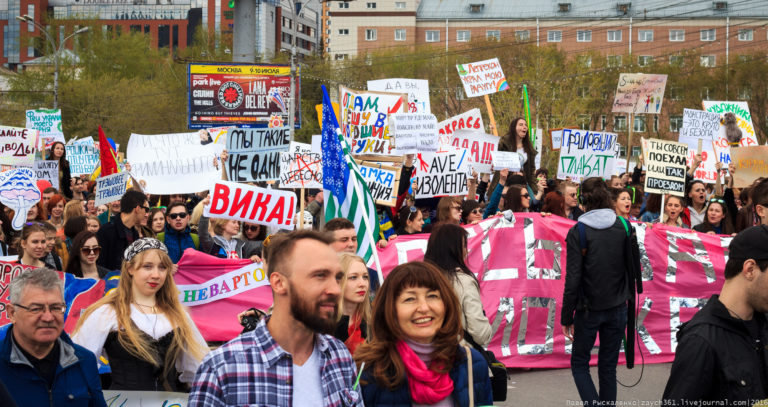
x: 240, y: 94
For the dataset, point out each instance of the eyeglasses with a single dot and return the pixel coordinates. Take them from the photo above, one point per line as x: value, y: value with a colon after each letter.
x: 181, y: 215
x: 477, y: 211
x: 251, y: 228
x: 527, y: 196
x: 88, y: 250
x: 36, y: 309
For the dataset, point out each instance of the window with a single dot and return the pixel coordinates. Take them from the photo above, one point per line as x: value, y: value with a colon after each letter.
x: 645, y: 35
x: 585, y: 60
x: 743, y: 58
x: 622, y: 151
x: 343, y: 31
x: 399, y: 34
x: 656, y: 123
x: 522, y: 35
x: 676, y: 35
x: 584, y: 120
x: 493, y: 35
x: 708, y: 61
x: 370, y: 5
x: 644, y: 60
x: 676, y: 60
x: 433, y: 36
x: 583, y: 91
x: 675, y: 123
x: 476, y: 8
x: 746, y: 34
x: 745, y: 93
x: 636, y: 150
x: 370, y: 34
x: 460, y: 95
x: 340, y: 57
x: 614, y: 60
x: 462, y: 36
x: 342, y: 4
x: 619, y: 123
x: 554, y: 36
x: 400, y: 5
x: 603, y: 121
x: 639, y: 124
x: 30, y: 26
x: 674, y: 93
x: 707, y: 35
x: 584, y: 36
x: 614, y: 35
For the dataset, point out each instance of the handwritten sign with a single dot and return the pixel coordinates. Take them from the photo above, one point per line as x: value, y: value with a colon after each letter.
x: 479, y: 145
x: 365, y: 119
x: 254, y: 154
x: 751, y: 163
x: 586, y: 154
x: 700, y: 124
x: 8, y: 271
x: 506, y: 159
x: 442, y: 174
x: 133, y: 398
x: 639, y: 93
x: 47, y: 122
x: 557, y: 138
x: 482, y: 78
x: 83, y: 158
x: 417, y: 90
x: 301, y: 170
x: 246, y: 203
x: 47, y: 170
x: 382, y: 181
x: 18, y: 191
x: 111, y: 188
x: 665, y: 168
x: 296, y: 147
x: 414, y: 132
x: 17, y: 146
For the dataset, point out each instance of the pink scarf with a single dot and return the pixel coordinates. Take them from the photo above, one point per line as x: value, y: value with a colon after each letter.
x: 426, y: 386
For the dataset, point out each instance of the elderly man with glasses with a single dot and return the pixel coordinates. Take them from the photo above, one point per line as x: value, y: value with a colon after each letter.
x: 39, y: 363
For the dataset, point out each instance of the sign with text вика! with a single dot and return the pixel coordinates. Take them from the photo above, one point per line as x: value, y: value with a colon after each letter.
x: 254, y: 154
x: 240, y: 94
x: 365, y: 119
x: 417, y: 89
x: 665, y: 166
x: 247, y: 203
x: 482, y: 78
x: 586, y: 154
x: 639, y: 93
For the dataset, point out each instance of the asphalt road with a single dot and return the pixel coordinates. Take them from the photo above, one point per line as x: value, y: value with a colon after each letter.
x: 554, y: 387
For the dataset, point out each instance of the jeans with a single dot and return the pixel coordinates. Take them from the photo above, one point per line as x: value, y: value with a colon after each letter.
x: 611, y: 325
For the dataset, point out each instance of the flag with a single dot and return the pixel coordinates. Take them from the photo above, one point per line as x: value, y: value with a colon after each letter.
x: 346, y: 192
x: 107, y: 156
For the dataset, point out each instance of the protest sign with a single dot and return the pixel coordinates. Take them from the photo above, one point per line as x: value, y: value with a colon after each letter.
x: 700, y: 124
x: 557, y: 138
x: 417, y: 90
x: 506, y: 159
x: 469, y: 120
x: 301, y: 170
x: 18, y: 191
x: 246, y: 203
x: 111, y: 188
x: 382, y: 181
x: 83, y: 158
x: 296, y: 147
x: 48, y: 123
x: 442, y: 174
x: 479, y: 145
x: 639, y: 93
x: 482, y: 78
x: 178, y: 163
x: 317, y: 143
x: 414, y: 132
x: 751, y: 163
x: 665, y: 166
x: 365, y: 119
x: 133, y: 398
x: 47, y: 170
x: 254, y: 154
x: 17, y: 146
x: 8, y: 271
x: 586, y: 154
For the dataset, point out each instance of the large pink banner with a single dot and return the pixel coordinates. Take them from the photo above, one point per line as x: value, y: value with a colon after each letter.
x: 521, y: 267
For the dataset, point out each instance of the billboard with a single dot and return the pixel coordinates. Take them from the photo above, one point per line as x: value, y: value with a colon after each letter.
x: 242, y: 95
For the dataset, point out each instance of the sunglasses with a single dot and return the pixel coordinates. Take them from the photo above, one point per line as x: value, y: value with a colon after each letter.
x: 181, y: 215
x: 458, y: 208
x: 477, y: 211
x: 88, y: 250
x: 251, y: 228
x: 146, y: 208
x: 525, y: 196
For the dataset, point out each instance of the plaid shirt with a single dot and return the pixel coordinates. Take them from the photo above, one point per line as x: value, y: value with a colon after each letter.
x: 254, y: 370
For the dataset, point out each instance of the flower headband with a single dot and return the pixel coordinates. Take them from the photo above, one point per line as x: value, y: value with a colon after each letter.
x: 141, y: 245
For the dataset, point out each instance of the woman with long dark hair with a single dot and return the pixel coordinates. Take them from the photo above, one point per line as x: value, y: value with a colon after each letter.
x: 410, y: 221
x: 518, y: 140
x: 83, y: 254
x: 517, y: 199
x: 59, y: 153
x: 716, y: 220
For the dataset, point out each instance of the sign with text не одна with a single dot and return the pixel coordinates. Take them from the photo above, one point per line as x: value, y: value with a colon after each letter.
x: 254, y: 154
x: 365, y: 119
x: 417, y: 90
x: 586, y: 154
x: 665, y: 166
x: 639, y: 93
x: 482, y: 78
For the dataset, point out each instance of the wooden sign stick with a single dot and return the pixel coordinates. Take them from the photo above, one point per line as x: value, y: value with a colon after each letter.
x: 490, y: 115
x: 301, y: 210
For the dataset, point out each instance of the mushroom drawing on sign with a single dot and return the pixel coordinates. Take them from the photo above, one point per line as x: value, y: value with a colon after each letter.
x: 19, y: 192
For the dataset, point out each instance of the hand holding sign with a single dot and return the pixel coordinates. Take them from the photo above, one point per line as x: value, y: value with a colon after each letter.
x: 506, y: 159
x: 19, y: 192
x: 414, y: 132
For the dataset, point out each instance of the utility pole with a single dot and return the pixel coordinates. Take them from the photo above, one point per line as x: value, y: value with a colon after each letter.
x: 244, y: 32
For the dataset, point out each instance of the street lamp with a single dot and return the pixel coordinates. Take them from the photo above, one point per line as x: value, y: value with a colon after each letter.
x: 57, y: 51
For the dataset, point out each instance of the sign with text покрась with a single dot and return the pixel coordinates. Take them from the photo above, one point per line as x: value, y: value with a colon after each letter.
x: 586, y: 154
x: 254, y: 154
x: 665, y: 168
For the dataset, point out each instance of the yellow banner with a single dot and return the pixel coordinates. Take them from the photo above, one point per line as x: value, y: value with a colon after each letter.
x: 272, y: 70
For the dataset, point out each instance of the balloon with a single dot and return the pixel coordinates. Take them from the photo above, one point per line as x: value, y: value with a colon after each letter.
x: 43, y: 184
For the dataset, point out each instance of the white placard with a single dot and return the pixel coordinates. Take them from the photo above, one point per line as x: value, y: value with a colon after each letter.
x: 414, y: 132
x: 700, y: 124
x: 506, y: 159
x: 482, y: 78
x: 417, y: 90
x: 586, y: 154
x: 111, y: 188
x: 442, y: 174
x: 479, y: 145
x: 47, y: 170
x: 247, y: 203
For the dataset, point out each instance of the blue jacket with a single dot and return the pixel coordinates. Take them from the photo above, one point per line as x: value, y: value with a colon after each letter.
x: 376, y: 395
x: 76, y: 383
x: 177, y: 242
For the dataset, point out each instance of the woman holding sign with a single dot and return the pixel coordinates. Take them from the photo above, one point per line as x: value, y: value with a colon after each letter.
x: 517, y: 139
x: 58, y: 153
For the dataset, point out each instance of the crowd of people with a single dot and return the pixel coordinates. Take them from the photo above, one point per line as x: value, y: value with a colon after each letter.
x: 335, y: 334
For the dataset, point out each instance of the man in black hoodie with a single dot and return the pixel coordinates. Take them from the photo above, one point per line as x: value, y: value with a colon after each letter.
x: 603, y: 273
x: 721, y: 354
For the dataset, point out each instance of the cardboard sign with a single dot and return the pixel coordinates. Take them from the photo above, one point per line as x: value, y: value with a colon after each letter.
x: 47, y: 170
x: 665, y: 168
x: 482, y: 78
x: 639, y: 93
x: 382, y: 181
x: 254, y: 154
x: 301, y: 170
x: 296, y: 147
x: 557, y: 138
x: 246, y: 203
x: 587, y: 154
x: 479, y: 145
x: 700, y: 124
x: 506, y: 159
x: 17, y: 146
x: 178, y: 163
x: 417, y: 90
x: 111, y: 188
x: 18, y: 191
x: 414, y: 132
x: 751, y: 163
x: 365, y: 119
x: 83, y: 158
x: 133, y: 398
x: 48, y: 123
x: 442, y: 174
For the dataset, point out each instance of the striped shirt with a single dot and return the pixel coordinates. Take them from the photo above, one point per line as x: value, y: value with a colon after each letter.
x: 253, y: 369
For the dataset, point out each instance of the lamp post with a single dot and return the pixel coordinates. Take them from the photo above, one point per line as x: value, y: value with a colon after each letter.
x: 292, y: 106
x: 57, y: 51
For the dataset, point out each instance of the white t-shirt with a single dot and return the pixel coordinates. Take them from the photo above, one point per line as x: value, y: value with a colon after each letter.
x: 696, y: 217
x: 307, y: 388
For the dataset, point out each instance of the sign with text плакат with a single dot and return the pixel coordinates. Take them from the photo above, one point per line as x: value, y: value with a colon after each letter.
x: 247, y: 203
x: 639, y: 93
x: 665, y: 168
x: 482, y: 78
x: 301, y: 170
x: 417, y: 90
x: 254, y: 154
x: 414, y: 132
x: 442, y: 174
x: 111, y: 188
x: 365, y: 119
x: 586, y: 154
x: 382, y: 181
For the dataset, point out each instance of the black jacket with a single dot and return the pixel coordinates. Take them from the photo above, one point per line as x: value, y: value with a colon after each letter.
x: 717, y: 359
x: 114, y: 239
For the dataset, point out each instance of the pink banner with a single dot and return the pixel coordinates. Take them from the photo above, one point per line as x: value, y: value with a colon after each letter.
x: 521, y: 267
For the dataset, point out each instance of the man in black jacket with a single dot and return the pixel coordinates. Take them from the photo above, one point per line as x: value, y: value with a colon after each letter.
x: 603, y: 272
x: 721, y: 354
x: 115, y: 236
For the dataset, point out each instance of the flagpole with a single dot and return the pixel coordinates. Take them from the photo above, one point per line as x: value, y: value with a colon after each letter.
x: 368, y: 227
